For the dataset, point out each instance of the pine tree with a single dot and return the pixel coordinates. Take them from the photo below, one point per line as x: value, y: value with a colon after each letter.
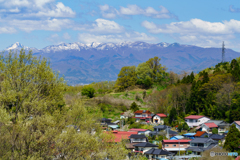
x: 232, y: 142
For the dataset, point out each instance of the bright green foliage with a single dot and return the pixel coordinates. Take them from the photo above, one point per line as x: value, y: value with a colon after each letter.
x: 215, y: 131
x: 233, y: 139
x: 134, y: 107
x: 143, y: 70
x: 126, y: 78
x: 88, y: 91
x: 36, y: 124
x: 157, y: 70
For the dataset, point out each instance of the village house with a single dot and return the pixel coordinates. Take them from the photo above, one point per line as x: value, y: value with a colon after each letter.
x: 237, y: 123
x: 142, y: 115
x: 158, y: 118
x: 175, y: 145
x: 222, y: 125
x: 144, y: 147
x: 200, y: 134
x: 138, y: 138
x: 118, y: 136
x: 189, y: 135
x: 140, y: 131
x: 208, y: 127
x: 198, y: 145
x: 154, y: 154
x: 176, y: 137
x: 195, y: 120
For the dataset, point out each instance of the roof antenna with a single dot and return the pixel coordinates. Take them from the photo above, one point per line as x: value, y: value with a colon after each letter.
x: 223, y: 52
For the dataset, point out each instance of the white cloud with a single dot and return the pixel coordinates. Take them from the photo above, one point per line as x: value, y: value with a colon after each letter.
x: 197, y: 31
x: 115, y: 38
x: 49, y: 25
x: 7, y: 30
x: 102, y: 26
x: 104, y: 7
x: 60, y: 10
x: 195, y: 25
x: 66, y: 36
x: 30, y: 15
x: 110, y: 12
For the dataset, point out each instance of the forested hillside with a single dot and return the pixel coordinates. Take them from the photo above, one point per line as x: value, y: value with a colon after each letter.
x: 213, y: 92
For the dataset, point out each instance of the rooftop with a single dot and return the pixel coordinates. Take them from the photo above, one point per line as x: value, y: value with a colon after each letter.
x: 202, y: 140
x: 158, y: 152
x: 199, y: 133
x: 161, y: 127
x: 211, y: 125
x: 161, y: 115
x: 237, y: 122
x: 119, y: 135
x: 193, y: 117
x: 137, y: 136
x: 145, y: 144
x: 138, y: 129
x: 177, y: 141
x: 143, y: 111
x: 189, y: 134
x: 216, y: 136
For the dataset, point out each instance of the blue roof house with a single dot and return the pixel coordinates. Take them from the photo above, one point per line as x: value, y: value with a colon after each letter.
x: 189, y: 135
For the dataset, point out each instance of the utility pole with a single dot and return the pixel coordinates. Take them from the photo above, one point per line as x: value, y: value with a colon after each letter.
x: 223, y: 52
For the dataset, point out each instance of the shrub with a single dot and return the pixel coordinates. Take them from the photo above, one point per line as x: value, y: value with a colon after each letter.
x: 215, y: 131
x: 135, y: 125
x: 88, y: 91
x: 123, y: 108
x: 134, y: 106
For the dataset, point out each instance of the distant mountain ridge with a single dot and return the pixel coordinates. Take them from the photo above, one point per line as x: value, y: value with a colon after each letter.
x: 86, y: 63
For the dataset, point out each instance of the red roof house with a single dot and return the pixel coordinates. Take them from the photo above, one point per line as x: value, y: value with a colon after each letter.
x: 142, y: 115
x: 159, y: 118
x: 120, y: 135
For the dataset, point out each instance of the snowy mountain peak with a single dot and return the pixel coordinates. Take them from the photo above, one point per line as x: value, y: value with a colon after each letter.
x: 15, y: 46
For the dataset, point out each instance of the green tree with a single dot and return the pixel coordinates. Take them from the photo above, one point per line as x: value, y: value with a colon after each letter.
x: 134, y: 107
x: 172, y: 116
x: 126, y: 78
x: 185, y: 126
x: 157, y: 70
x: 88, y: 91
x: 35, y: 123
x: 215, y: 131
x: 143, y: 70
x: 233, y: 139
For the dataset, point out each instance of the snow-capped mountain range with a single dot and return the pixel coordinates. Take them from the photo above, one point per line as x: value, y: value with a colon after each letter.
x: 85, y: 63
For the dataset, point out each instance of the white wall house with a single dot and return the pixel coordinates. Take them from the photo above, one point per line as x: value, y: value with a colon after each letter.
x: 159, y: 118
x: 208, y: 127
x: 196, y: 120
x: 237, y: 123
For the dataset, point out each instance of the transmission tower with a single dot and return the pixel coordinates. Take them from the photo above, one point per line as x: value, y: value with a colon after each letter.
x: 223, y: 52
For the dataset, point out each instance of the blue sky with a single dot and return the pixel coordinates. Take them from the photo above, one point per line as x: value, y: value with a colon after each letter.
x: 39, y: 23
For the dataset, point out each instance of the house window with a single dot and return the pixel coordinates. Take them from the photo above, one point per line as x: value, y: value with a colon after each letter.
x: 174, y: 145
x: 167, y: 145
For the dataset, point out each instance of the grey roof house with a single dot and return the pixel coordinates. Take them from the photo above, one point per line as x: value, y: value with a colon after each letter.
x: 138, y: 138
x: 199, y: 145
x: 144, y: 147
x: 222, y: 125
x: 158, y: 153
